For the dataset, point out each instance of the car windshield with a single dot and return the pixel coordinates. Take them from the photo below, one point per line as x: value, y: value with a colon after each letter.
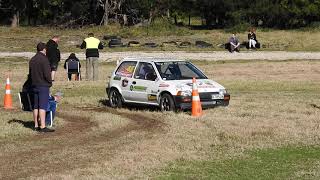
x: 178, y: 70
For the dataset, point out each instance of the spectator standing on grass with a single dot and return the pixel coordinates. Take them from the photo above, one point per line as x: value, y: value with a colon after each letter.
x: 40, y: 74
x: 252, y: 38
x: 92, y: 46
x: 53, y: 54
x: 234, y: 43
x: 72, y: 57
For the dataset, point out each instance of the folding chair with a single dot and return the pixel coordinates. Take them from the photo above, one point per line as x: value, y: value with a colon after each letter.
x: 73, y: 67
x: 51, y: 111
x: 26, y: 103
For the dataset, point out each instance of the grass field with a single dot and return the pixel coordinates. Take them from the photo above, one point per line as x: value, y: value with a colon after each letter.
x: 270, y: 130
x: 281, y: 163
x: 26, y: 38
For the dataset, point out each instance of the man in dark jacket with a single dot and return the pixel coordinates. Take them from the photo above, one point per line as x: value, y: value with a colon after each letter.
x: 53, y: 54
x: 92, y: 46
x: 40, y: 73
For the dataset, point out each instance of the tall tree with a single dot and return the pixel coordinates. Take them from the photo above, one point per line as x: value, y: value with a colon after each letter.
x: 105, y: 18
x: 111, y: 8
x: 17, y: 7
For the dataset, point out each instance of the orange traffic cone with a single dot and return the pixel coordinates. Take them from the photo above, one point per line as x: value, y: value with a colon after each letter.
x: 196, y: 104
x: 7, y: 96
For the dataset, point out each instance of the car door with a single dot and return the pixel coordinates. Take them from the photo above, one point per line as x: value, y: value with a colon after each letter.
x: 124, y: 78
x: 144, y: 86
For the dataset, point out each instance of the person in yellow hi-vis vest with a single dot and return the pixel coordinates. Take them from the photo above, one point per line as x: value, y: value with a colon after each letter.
x: 92, y: 46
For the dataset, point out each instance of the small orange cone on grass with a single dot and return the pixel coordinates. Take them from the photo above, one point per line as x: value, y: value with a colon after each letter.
x: 196, y: 104
x: 7, y: 96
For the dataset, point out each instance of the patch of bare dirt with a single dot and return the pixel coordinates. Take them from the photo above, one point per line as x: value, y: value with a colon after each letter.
x: 74, y: 125
x: 71, y: 146
x: 140, y: 121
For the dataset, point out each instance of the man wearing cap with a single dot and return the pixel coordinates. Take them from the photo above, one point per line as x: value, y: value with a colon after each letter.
x: 92, y: 46
x: 40, y: 73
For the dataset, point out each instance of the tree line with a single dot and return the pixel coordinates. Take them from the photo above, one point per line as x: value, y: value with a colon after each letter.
x: 214, y: 13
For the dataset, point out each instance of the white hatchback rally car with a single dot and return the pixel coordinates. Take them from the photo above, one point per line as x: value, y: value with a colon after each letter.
x: 164, y: 83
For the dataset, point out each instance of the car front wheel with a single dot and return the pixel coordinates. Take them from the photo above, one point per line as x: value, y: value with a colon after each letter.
x: 115, y: 99
x: 167, y: 103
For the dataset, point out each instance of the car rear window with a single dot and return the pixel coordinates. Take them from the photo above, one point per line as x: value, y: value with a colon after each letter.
x: 126, y: 69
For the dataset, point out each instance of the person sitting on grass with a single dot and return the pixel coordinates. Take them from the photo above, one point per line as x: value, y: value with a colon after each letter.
x: 234, y: 43
x: 72, y: 57
x: 252, y: 39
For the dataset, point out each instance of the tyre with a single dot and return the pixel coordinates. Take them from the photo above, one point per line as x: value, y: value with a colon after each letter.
x: 134, y: 44
x: 115, y: 99
x: 169, y: 44
x: 185, y: 44
x: 167, y: 103
x: 115, y: 43
x: 203, y: 44
x: 150, y: 45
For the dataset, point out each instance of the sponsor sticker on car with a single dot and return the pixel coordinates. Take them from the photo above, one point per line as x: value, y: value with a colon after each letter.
x: 152, y: 97
x: 217, y: 96
x: 138, y: 88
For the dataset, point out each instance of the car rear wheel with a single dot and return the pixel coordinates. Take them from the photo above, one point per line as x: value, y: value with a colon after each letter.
x: 115, y: 99
x: 167, y: 103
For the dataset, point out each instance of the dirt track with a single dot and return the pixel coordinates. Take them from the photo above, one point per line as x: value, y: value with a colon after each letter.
x: 213, y: 55
x: 66, y: 142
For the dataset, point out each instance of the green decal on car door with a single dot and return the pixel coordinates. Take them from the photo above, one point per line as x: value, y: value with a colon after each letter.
x: 138, y: 88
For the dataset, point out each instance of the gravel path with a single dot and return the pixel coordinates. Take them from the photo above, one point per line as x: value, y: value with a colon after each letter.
x: 213, y: 56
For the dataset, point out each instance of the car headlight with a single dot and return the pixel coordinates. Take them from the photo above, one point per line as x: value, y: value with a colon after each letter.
x: 222, y: 91
x: 184, y: 93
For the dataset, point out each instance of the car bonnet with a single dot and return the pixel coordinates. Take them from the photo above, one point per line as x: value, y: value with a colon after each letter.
x: 204, y: 85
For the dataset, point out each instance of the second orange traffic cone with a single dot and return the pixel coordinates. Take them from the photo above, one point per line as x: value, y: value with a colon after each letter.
x: 196, y: 104
x: 7, y: 96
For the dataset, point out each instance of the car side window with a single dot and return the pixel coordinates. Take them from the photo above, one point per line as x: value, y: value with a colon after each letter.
x: 145, y: 71
x: 126, y: 69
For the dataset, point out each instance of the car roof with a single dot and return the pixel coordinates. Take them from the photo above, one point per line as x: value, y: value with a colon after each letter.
x: 150, y: 59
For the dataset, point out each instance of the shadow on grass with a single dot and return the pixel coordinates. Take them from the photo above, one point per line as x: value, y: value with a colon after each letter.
x: 132, y: 107
x: 104, y: 102
x: 26, y: 124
